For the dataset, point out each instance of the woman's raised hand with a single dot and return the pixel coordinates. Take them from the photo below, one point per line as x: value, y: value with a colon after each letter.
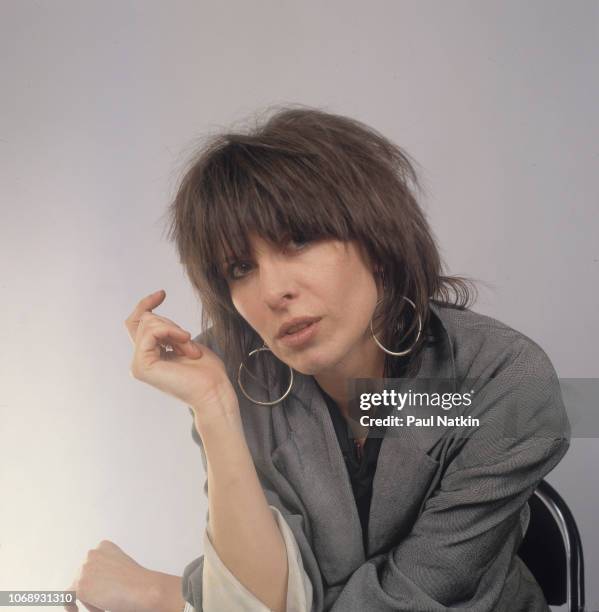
x: 190, y: 372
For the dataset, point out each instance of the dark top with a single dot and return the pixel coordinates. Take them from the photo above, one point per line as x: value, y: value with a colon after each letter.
x: 360, y: 462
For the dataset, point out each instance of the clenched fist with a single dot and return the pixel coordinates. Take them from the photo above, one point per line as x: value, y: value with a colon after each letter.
x: 110, y: 579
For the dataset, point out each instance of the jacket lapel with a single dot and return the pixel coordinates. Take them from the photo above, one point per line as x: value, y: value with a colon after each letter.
x: 405, y: 472
x: 311, y: 459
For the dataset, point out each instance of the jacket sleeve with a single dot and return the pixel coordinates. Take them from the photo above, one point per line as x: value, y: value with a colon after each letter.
x: 209, y: 586
x: 461, y: 548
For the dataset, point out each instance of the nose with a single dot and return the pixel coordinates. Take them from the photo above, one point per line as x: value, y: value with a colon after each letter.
x: 277, y: 286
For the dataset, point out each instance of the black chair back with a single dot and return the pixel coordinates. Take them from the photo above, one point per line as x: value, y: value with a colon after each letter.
x: 552, y: 549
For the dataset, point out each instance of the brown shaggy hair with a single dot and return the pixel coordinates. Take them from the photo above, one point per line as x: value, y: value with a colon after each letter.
x: 309, y: 173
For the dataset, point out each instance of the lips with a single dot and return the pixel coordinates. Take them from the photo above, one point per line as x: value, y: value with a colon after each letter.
x: 296, y: 328
x: 303, y: 337
x: 295, y: 324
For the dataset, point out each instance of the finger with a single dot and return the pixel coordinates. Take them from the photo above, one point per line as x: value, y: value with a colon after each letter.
x: 154, y: 332
x: 159, y: 329
x: 151, y: 318
x: 189, y: 349
x: 165, y: 319
x: 146, y: 304
x: 192, y: 349
x: 186, y: 349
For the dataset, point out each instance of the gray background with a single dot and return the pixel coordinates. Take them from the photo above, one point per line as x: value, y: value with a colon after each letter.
x: 101, y: 104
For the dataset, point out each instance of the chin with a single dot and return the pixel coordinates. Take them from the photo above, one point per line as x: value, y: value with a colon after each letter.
x: 309, y: 364
x: 308, y: 369
x: 303, y: 366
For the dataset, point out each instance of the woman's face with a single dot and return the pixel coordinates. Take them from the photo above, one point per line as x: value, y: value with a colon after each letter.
x: 328, y: 279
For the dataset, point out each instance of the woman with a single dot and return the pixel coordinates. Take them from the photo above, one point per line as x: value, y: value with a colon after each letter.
x: 315, y: 267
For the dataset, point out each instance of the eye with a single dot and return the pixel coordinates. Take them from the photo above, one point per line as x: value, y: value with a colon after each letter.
x: 233, y: 267
x: 298, y: 242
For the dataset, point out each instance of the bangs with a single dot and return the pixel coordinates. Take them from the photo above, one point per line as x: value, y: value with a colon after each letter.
x: 273, y: 192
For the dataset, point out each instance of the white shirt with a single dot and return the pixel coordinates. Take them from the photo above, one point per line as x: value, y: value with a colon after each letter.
x: 222, y: 591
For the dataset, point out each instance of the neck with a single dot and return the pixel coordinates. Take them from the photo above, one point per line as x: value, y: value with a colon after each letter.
x: 369, y: 363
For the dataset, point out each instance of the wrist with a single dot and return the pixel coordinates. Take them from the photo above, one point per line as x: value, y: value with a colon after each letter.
x: 222, y: 415
x: 166, y: 594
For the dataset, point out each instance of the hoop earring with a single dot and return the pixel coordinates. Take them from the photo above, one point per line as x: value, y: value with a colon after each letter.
x: 263, y: 348
x: 398, y: 353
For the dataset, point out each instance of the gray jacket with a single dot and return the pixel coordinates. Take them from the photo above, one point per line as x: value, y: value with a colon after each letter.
x: 448, y: 512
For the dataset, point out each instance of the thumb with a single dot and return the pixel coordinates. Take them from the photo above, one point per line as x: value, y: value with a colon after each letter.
x: 193, y: 349
x: 73, y: 607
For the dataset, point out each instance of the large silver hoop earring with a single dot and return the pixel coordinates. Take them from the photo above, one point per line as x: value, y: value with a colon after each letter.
x: 398, y: 353
x: 264, y: 348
